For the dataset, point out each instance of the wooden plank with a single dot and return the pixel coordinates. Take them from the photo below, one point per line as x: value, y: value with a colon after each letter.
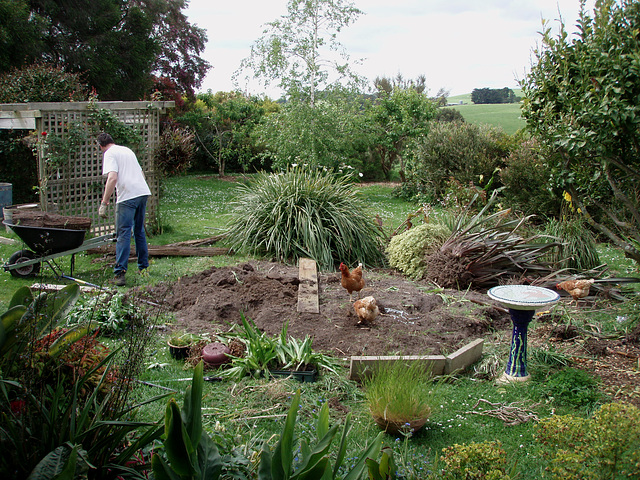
x: 17, y: 123
x: 308, y: 287
x: 168, y: 251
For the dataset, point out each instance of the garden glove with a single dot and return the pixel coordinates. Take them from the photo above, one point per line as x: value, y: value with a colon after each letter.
x: 103, y: 210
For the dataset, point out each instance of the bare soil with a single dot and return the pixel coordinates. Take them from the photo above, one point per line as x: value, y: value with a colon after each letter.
x: 415, y: 318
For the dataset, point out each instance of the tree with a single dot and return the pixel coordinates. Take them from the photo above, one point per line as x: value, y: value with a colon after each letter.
x: 581, y: 100
x: 120, y: 47
x: 400, y: 114
x: 224, y: 124
x: 493, y: 95
x: 326, y: 134
x: 20, y: 34
x: 300, y: 51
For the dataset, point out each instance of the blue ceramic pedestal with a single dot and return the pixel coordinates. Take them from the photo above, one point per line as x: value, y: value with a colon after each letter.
x: 516, y: 369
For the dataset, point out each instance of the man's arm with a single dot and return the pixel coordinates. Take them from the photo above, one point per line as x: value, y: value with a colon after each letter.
x: 110, y: 186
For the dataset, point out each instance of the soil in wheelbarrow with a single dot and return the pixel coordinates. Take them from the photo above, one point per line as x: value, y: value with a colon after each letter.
x: 416, y: 318
x: 38, y: 218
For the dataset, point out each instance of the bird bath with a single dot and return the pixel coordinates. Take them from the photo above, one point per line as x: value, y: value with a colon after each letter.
x: 522, y: 302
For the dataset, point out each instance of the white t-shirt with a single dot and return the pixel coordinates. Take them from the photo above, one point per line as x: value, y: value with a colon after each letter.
x: 131, y: 182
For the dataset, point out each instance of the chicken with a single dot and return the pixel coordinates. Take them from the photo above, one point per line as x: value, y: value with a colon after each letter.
x: 366, y: 309
x: 352, y: 281
x: 576, y: 288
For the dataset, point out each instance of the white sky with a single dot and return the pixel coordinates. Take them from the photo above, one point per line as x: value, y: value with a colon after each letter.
x: 458, y: 45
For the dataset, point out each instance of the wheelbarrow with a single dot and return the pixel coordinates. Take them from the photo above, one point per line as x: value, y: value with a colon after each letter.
x: 46, y: 245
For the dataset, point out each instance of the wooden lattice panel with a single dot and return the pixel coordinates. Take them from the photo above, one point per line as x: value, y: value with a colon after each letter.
x: 75, y: 188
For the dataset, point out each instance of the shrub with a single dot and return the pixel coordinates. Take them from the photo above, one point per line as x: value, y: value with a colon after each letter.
x: 41, y: 83
x: 464, y: 151
x: 304, y: 213
x: 604, y: 446
x: 572, y: 387
x: 481, y: 461
x: 525, y: 177
x: 175, y: 150
x: 407, y: 251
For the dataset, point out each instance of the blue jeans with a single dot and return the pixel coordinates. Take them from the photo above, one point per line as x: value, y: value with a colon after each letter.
x: 130, y: 216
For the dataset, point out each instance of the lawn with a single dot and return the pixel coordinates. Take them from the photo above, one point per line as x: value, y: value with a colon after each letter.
x: 242, y: 415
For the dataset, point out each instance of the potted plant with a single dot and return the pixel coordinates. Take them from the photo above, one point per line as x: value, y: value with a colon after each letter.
x: 283, y: 356
x: 397, y: 394
x: 296, y: 358
x: 180, y: 344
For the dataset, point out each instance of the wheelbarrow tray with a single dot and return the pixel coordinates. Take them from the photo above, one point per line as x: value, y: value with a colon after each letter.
x: 46, y: 240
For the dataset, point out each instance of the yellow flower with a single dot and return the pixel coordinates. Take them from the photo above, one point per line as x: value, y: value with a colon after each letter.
x: 567, y: 196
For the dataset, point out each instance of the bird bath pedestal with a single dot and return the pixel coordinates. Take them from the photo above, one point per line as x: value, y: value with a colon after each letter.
x: 522, y: 302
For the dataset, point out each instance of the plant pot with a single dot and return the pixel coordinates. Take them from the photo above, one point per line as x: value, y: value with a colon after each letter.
x: 179, y: 352
x: 300, y: 375
x: 399, y: 427
x: 215, y: 354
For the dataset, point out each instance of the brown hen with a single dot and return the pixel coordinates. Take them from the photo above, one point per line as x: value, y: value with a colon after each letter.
x: 352, y: 281
x: 576, y: 288
x: 366, y: 309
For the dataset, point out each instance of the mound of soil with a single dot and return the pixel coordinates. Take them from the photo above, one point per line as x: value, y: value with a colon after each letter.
x: 415, y: 318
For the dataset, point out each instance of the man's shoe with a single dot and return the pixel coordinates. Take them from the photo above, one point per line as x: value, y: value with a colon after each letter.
x: 119, y: 280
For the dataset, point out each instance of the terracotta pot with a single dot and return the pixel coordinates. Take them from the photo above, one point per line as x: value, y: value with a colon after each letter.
x: 399, y: 427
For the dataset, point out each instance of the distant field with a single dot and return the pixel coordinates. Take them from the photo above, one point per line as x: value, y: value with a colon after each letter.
x: 506, y: 116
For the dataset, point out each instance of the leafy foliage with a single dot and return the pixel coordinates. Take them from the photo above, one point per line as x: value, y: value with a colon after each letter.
x: 175, y: 150
x: 40, y: 82
x: 407, y: 251
x: 300, y: 50
x: 262, y: 353
x: 120, y: 48
x: 189, y: 452
x: 396, y: 119
x: 315, y: 459
x: 493, y: 95
x: 572, y: 387
x: 525, y: 176
x: 304, y: 213
x: 583, y: 105
x: 577, y: 251
x: 224, y: 126
x: 111, y: 313
x: 607, y: 445
x: 63, y: 387
x: 485, y: 460
x: 330, y: 133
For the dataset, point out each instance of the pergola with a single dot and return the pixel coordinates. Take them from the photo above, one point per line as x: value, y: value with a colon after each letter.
x: 73, y: 185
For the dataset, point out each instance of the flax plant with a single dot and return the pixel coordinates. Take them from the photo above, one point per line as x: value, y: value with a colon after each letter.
x: 304, y: 212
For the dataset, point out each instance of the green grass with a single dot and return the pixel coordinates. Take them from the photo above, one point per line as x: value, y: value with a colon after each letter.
x: 505, y: 116
x: 248, y: 412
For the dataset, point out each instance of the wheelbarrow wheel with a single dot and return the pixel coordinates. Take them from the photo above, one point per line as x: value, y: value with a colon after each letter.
x: 26, y: 271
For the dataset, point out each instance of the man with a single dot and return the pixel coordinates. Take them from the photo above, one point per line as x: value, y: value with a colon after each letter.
x: 125, y: 176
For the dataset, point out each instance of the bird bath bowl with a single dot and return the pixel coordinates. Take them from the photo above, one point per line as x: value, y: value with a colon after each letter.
x: 522, y: 302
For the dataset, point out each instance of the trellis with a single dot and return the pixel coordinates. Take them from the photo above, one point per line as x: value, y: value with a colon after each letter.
x: 75, y: 186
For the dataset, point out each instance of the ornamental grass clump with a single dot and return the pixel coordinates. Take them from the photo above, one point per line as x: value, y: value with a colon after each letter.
x: 304, y: 213
x: 398, y: 395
